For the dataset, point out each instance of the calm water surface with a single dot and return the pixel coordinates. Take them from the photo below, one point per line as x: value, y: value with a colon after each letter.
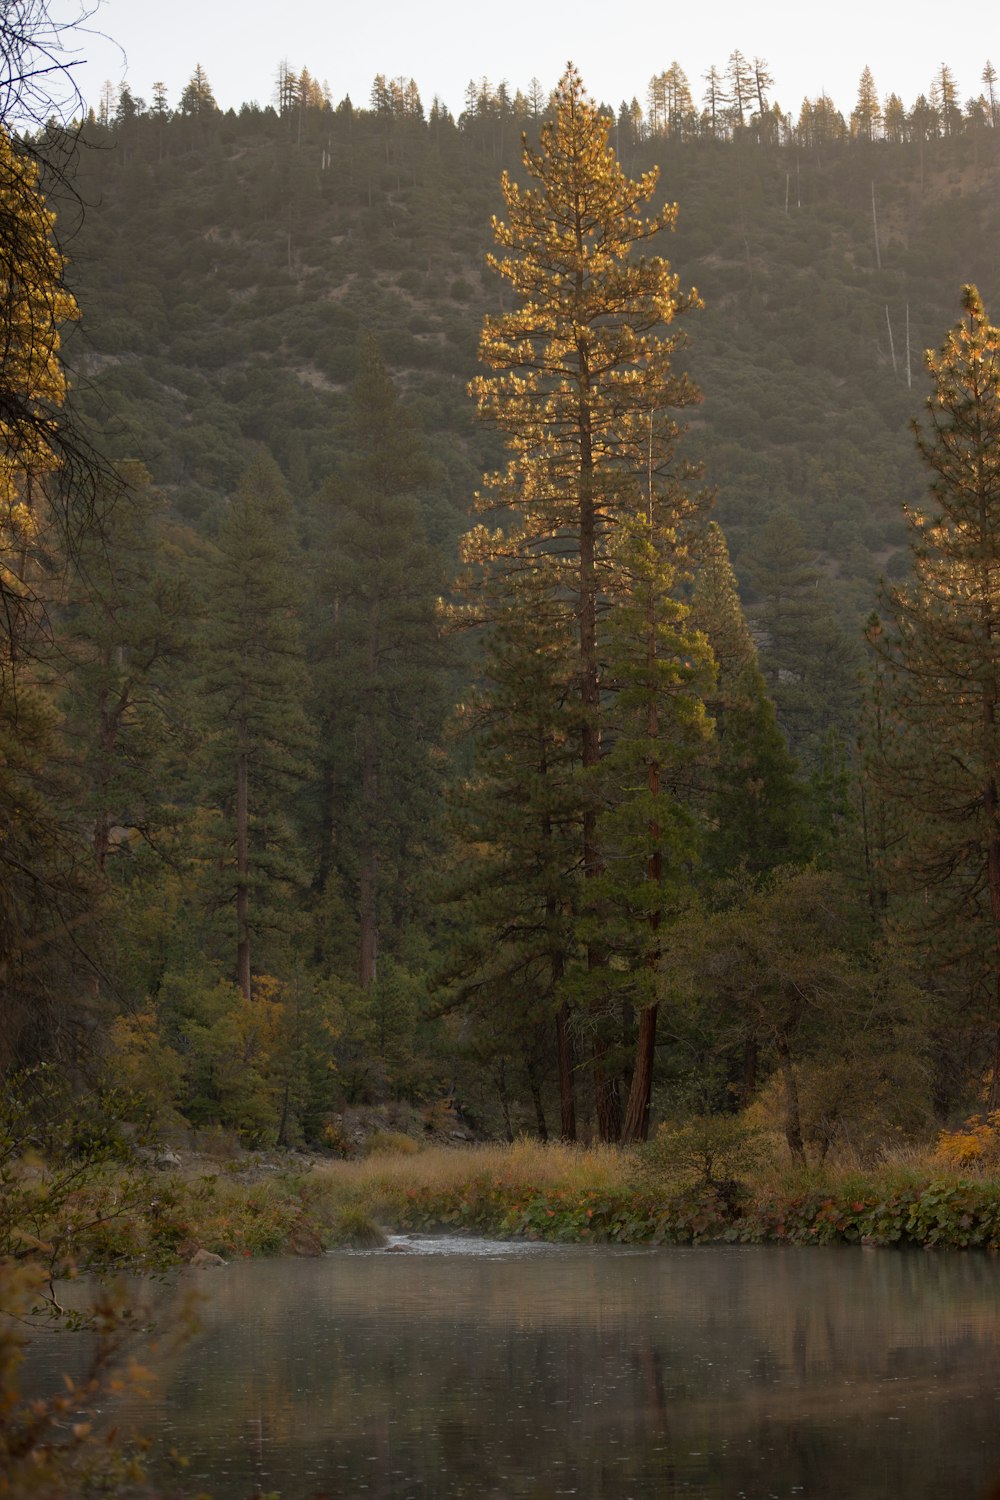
x: 477, y: 1372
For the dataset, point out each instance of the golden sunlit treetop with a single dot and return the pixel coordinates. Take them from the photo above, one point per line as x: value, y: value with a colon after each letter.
x: 33, y: 305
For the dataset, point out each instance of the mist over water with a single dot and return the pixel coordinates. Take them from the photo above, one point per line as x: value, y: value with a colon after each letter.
x: 463, y: 1369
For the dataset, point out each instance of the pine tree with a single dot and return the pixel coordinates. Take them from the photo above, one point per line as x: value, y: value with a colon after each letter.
x: 941, y: 750
x: 518, y: 818
x: 715, y: 100
x: 944, y: 99
x: 586, y: 397
x: 258, y: 739
x: 756, y: 801
x: 660, y: 671
x: 381, y: 663
x: 197, y: 98
x: 762, y: 81
x: 130, y: 632
x: 866, y: 118
x: 989, y: 77
x: 47, y: 480
x: 810, y: 664
x: 740, y: 78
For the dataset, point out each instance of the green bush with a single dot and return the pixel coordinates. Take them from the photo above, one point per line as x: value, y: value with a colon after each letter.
x: 711, y: 1150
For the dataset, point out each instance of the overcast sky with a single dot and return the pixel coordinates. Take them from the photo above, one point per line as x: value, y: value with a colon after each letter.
x: 616, y: 46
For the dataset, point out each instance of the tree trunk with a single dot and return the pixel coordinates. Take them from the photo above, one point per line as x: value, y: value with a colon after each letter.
x: 607, y: 1096
x: 793, y: 1114
x: 242, y: 875
x: 503, y: 1096
x: 640, y: 1098
x: 567, y: 1101
x: 993, y: 813
x: 536, y: 1099
x: 749, y: 1070
x: 368, y: 876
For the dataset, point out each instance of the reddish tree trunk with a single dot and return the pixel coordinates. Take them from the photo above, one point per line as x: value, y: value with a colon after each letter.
x: 242, y: 876
x: 567, y: 1100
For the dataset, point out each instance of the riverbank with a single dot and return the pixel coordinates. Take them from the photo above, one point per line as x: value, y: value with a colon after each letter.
x: 294, y: 1206
x: 195, y: 1209
x: 605, y: 1196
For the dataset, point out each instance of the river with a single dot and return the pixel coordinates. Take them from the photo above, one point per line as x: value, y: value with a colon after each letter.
x: 464, y: 1370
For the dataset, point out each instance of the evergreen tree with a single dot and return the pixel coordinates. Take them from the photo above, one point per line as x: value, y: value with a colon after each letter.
x: 517, y: 815
x: 715, y: 100
x: 866, y: 118
x: 197, y: 98
x: 47, y: 479
x: 810, y: 664
x: 941, y: 754
x: 756, y: 801
x: 989, y: 77
x: 762, y: 81
x: 258, y: 738
x: 585, y: 397
x: 660, y: 672
x: 381, y: 664
x: 944, y: 99
x: 130, y: 627
x: 740, y: 79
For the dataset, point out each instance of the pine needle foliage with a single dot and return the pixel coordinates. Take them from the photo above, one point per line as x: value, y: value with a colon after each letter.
x: 940, y: 752
x: 588, y: 649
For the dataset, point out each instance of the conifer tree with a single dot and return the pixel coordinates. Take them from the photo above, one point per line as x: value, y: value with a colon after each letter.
x: 866, y: 117
x: 258, y: 738
x: 130, y: 627
x: 47, y: 478
x: 810, y: 664
x: 740, y: 78
x: 517, y: 812
x: 989, y: 77
x: 756, y: 806
x: 586, y: 397
x: 380, y: 669
x: 941, y: 750
x: 660, y: 671
x: 197, y: 98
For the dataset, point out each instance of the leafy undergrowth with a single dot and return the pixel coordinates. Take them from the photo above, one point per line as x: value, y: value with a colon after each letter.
x: 553, y: 1193
x: 947, y: 1214
x: 566, y: 1194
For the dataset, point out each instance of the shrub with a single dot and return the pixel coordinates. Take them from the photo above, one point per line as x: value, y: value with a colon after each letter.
x: 977, y: 1144
x: 713, y: 1151
x: 356, y: 1229
x: 391, y: 1143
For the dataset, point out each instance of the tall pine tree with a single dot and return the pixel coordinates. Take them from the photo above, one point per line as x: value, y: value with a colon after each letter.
x: 940, y: 747
x: 584, y: 391
x: 380, y: 669
x: 258, y: 739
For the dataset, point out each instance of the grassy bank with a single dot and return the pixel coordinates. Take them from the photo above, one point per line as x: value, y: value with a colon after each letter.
x: 111, y: 1219
x: 559, y: 1193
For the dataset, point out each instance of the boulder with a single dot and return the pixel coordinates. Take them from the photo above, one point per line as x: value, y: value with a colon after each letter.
x: 205, y: 1259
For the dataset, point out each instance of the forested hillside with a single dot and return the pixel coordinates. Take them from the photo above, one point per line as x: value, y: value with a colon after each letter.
x: 252, y: 682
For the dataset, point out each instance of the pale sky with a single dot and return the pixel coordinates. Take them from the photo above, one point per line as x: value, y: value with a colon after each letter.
x: 617, y: 46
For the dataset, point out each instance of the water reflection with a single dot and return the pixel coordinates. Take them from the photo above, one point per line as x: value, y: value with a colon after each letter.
x: 609, y: 1375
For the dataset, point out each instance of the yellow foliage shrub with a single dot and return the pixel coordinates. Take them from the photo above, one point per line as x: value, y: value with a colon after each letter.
x: 976, y: 1144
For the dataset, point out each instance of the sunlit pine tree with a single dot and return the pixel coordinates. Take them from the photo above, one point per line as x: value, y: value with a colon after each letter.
x: 585, y: 393
x: 941, y: 746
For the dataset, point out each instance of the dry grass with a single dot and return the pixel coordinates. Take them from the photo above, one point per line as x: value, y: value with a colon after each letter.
x: 380, y: 1179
